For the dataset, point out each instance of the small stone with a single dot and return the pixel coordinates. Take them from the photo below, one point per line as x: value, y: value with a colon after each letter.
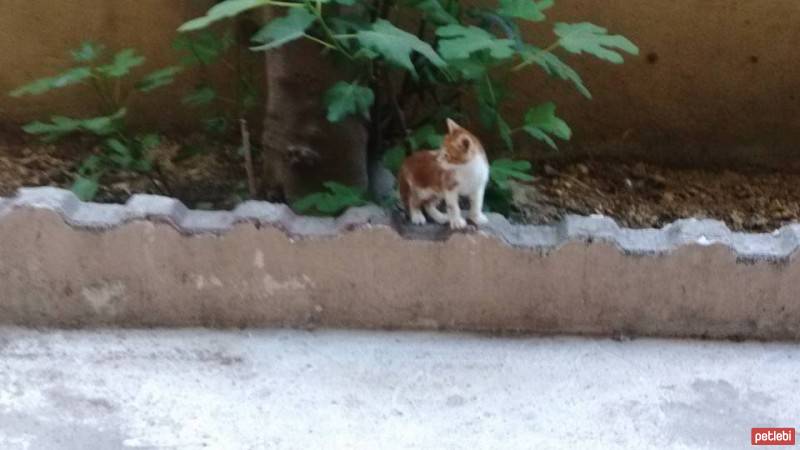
x: 582, y: 169
x: 639, y: 170
x: 549, y: 170
x: 121, y: 186
x: 737, y: 219
x: 758, y: 221
x: 658, y: 180
x: 668, y: 197
x: 628, y: 183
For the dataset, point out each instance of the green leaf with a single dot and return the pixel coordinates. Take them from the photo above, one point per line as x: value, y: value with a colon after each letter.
x: 228, y: 8
x: 60, y: 126
x: 347, y: 24
x: 434, y: 11
x: 189, y: 151
x: 489, y: 95
x: 553, y: 66
x: 85, y: 188
x: 104, y: 125
x: 203, y: 48
x: 499, y: 200
x: 396, y: 45
x: 338, y: 198
x: 501, y: 171
x: 284, y: 29
x: 541, y: 121
x: 122, y: 64
x: 585, y: 37
x: 470, y: 69
x: 525, y: 9
x: 70, y: 77
x: 92, y: 167
x: 118, y: 153
x: 216, y: 125
x: 459, y: 42
x: 345, y: 98
x: 505, y: 132
x: 393, y: 158
x: 148, y: 141
x: 425, y: 136
x: 158, y: 78
x: 203, y: 95
x: 88, y: 51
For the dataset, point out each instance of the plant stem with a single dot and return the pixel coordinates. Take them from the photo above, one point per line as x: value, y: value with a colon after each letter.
x: 248, y: 158
x: 491, y: 90
x: 287, y: 4
x: 529, y: 61
x: 161, y: 178
x: 108, y: 104
x: 321, y: 42
x: 336, y: 45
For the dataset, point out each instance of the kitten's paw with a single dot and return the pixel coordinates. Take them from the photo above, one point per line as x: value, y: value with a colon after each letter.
x: 417, y: 218
x: 479, y: 219
x: 458, y: 223
x: 437, y: 216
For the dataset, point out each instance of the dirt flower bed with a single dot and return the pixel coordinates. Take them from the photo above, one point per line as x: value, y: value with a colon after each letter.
x: 211, y: 176
x: 636, y: 195
x: 639, y: 195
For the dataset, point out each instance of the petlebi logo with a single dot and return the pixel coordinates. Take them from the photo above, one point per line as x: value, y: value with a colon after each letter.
x: 772, y: 436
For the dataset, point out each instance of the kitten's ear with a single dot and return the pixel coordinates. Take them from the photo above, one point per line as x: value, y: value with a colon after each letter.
x: 452, y: 126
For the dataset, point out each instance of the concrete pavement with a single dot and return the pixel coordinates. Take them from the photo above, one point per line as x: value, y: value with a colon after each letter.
x: 201, y: 389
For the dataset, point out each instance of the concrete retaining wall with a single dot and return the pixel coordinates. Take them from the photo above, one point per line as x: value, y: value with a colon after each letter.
x: 153, y: 262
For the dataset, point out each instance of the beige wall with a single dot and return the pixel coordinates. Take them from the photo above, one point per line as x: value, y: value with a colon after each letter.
x: 36, y: 36
x: 718, y: 80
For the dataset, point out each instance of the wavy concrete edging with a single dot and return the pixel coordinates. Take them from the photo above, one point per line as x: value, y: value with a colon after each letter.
x: 154, y: 262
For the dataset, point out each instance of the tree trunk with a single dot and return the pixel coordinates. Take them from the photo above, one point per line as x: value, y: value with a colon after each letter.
x: 302, y: 149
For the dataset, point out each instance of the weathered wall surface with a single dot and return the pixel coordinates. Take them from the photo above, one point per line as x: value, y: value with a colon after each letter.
x: 36, y: 36
x: 717, y: 80
x: 262, y: 265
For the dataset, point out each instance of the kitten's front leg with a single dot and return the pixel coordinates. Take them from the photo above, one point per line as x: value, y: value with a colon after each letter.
x: 433, y: 212
x: 417, y: 218
x: 476, y: 214
x: 454, y: 211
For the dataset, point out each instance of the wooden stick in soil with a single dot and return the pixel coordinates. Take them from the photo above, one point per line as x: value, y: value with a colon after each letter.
x: 248, y: 159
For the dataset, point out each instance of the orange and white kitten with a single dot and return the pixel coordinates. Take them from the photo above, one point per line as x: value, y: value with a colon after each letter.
x: 459, y: 168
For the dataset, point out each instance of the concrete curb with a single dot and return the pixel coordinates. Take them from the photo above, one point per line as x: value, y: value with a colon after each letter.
x: 777, y: 246
x: 728, y: 284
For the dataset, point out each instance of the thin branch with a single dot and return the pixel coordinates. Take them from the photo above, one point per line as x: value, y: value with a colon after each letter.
x: 166, y: 190
x: 248, y: 159
x: 320, y: 42
x: 528, y: 61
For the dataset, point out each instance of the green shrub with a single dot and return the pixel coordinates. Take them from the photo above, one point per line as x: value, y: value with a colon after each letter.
x: 423, y: 68
x: 111, y: 81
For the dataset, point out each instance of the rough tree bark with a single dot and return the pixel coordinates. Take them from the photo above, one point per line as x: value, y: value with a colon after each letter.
x: 301, y: 148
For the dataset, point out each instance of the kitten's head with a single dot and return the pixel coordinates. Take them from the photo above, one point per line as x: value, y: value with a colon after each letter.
x: 460, y: 146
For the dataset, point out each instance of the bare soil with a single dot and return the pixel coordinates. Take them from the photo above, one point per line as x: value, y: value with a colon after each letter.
x: 212, y: 176
x: 639, y: 195
x: 635, y: 194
